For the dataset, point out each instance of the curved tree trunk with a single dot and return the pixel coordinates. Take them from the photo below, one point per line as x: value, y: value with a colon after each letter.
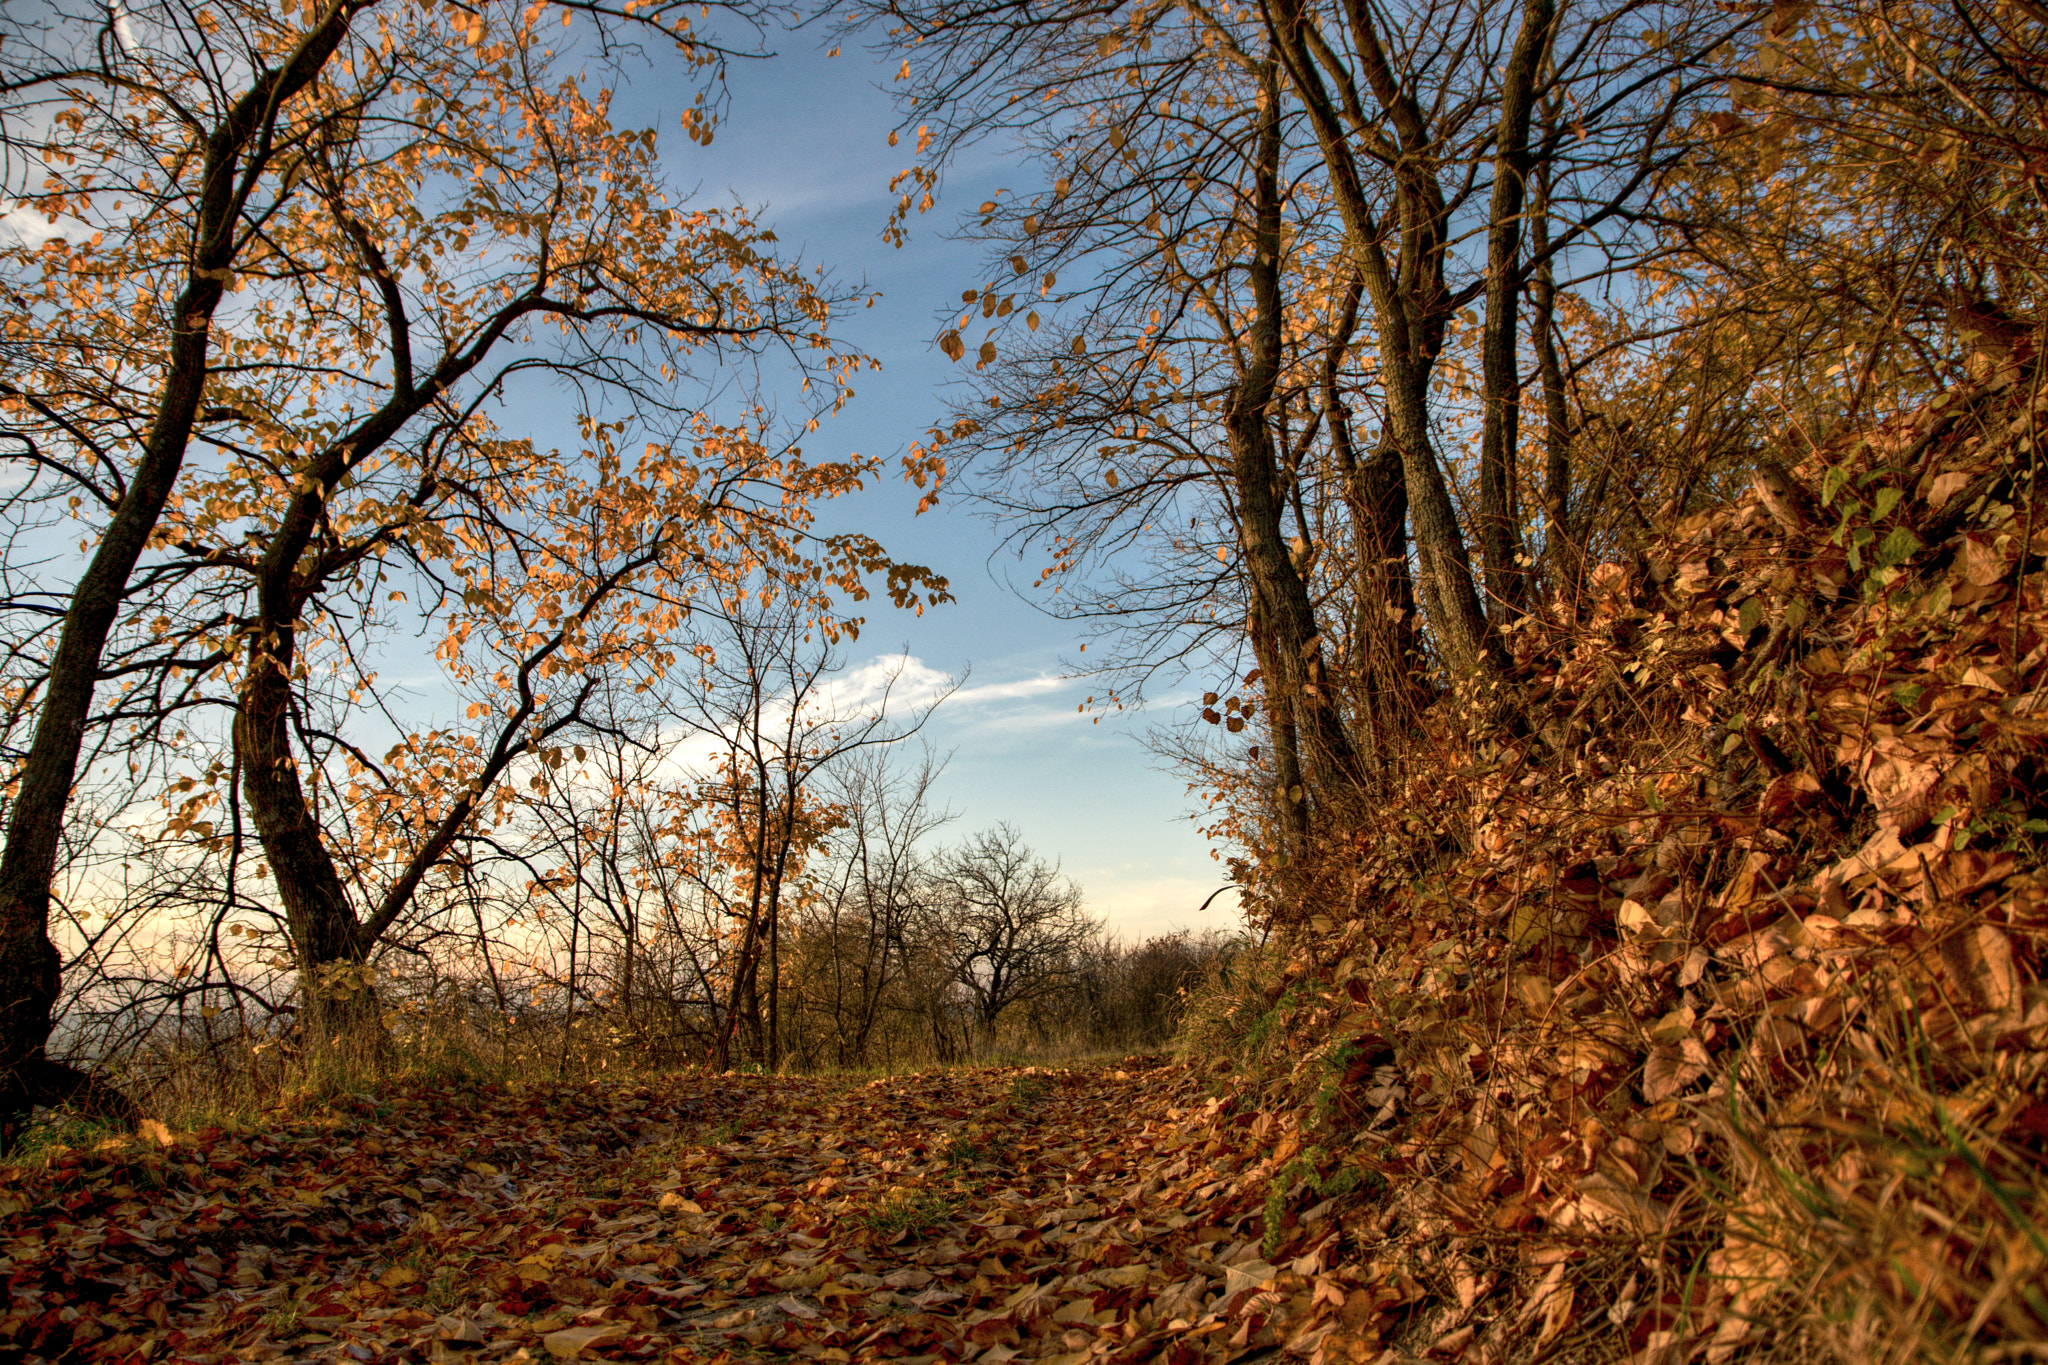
x: 338, y: 1001
x: 1280, y: 596
x: 237, y: 154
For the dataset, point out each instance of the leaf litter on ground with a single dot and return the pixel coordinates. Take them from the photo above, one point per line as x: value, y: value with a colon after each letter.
x: 1109, y: 1212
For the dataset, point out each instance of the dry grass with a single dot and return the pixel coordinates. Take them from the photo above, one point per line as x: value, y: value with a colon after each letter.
x: 244, y: 1080
x: 1900, y: 1214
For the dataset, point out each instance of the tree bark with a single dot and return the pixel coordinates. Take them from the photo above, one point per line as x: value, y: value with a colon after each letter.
x: 1279, y: 593
x: 1563, y: 545
x: 1385, y: 649
x: 1500, y: 538
x: 338, y: 1001
x: 1290, y: 801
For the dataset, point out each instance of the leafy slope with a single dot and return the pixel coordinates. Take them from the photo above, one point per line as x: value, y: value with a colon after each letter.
x: 1705, y: 1019
x: 1105, y: 1213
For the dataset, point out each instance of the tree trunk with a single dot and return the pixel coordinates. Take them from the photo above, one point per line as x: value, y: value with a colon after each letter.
x: 1391, y: 681
x: 1290, y: 798
x: 337, y: 999
x: 1385, y: 650
x: 1500, y: 537
x: 774, y: 1057
x: 1563, y: 546
x: 1279, y: 594
x: 1407, y: 322
x: 740, y: 998
x: 28, y: 959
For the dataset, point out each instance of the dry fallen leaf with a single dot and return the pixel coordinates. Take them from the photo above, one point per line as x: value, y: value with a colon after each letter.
x: 572, y: 1342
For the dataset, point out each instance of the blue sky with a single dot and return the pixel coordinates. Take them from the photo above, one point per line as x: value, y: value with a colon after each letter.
x: 805, y: 143
x: 805, y: 146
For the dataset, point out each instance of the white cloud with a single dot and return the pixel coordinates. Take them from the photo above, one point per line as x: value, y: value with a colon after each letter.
x: 909, y: 681
x: 32, y: 227
x: 1009, y: 691
x: 904, y: 679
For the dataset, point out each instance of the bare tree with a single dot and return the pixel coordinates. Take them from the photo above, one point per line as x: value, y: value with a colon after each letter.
x: 764, y: 698
x: 875, y: 888
x: 1011, y: 927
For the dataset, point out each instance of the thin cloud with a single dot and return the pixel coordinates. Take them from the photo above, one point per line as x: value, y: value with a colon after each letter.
x: 32, y: 227
x: 1009, y: 691
x: 909, y: 681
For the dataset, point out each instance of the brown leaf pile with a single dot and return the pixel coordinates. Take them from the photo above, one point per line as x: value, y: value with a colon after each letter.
x: 1708, y: 1014
x: 1107, y: 1213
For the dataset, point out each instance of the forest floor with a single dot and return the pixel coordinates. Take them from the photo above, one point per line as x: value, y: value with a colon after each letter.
x: 1092, y: 1213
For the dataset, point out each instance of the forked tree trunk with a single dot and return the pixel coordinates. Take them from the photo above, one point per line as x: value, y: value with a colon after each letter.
x: 1407, y: 299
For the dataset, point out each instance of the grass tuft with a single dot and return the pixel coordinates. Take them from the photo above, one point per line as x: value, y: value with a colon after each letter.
x: 905, y: 1213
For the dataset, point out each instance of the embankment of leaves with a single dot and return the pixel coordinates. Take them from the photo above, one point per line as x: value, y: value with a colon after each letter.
x: 1705, y: 1020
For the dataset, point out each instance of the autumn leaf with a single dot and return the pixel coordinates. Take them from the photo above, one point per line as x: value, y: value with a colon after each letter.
x: 571, y: 1342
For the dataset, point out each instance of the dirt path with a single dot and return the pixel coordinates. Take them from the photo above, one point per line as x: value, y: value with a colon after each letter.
x: 1101, y: 1213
